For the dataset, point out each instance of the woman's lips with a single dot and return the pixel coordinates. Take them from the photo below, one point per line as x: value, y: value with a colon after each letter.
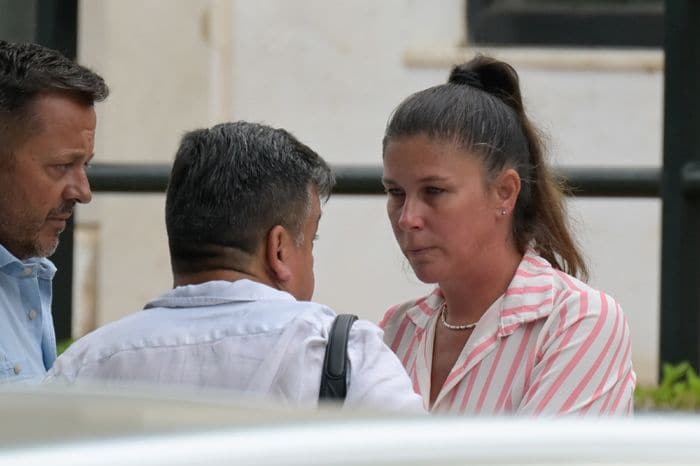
x: 418, y: 251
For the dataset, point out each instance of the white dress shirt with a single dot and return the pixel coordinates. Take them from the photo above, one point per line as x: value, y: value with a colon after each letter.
x: 242, y: 336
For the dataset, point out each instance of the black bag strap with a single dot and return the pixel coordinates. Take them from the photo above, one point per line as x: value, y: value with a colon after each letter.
x: 335, y: 363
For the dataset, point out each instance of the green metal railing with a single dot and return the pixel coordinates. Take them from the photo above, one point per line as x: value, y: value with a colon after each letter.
x: 363, y: 179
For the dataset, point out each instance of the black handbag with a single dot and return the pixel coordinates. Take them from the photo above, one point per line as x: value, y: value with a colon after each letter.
x: 335, y: 363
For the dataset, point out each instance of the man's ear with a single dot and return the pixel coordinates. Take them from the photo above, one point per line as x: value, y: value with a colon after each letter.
x: 507, y: 188
x: 277, y: 253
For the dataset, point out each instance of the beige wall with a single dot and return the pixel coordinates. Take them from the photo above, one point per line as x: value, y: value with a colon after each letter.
x: 331, y: 72
x: 155, y: 57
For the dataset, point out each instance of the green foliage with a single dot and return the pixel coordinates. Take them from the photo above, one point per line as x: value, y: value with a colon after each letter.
x: 679, y: 390
x: 63, y: 345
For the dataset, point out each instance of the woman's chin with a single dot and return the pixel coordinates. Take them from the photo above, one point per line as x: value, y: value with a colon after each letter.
x: 426, y: 274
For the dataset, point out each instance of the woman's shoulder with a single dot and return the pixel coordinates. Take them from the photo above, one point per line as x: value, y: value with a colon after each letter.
x: 578, y: 305
x: 565, y: 288
x: 569, y: 288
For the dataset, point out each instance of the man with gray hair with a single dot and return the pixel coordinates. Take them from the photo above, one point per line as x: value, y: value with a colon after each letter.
x: 242, y: 211
x: 47, y: 132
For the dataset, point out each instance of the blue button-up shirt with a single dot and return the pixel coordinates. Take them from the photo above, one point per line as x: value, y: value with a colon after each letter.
x: 27, y: 338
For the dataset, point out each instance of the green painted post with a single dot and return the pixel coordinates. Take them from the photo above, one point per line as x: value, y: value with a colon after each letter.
x: 680, y: 249
x: 57, y: 28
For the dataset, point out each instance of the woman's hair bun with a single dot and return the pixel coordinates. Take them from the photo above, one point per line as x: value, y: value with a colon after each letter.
x: 490, y: 75
x: 463, y: 76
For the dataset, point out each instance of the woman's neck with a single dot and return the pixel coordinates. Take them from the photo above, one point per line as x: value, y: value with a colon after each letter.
x: 469, y: 295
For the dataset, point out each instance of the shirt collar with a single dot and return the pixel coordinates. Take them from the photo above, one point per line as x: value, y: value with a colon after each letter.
x: 218, y: 292
x: 528, y: 297
x: 32, y: 267
x: 425, y: 308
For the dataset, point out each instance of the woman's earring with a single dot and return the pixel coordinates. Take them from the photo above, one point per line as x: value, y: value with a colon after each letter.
x: 504, y: 211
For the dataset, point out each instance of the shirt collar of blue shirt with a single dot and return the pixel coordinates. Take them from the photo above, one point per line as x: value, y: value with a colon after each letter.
x: 34, y: 266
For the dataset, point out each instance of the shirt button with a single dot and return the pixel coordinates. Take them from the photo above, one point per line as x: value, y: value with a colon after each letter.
x: 28, y: 271
x: 17, y: 369
x: 32, y: 314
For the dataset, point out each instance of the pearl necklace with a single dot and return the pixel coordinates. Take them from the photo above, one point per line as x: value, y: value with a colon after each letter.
x: 443, y: 312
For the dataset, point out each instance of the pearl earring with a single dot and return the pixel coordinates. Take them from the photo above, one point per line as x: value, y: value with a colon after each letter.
x: 504, y: 211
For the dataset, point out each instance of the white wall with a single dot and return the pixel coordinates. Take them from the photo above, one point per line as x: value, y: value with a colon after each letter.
x: 331, y: 72
x: 155, y: 58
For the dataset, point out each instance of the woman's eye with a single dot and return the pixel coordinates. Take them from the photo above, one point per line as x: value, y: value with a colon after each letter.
x: 394, y: 192
x: 434, y: 190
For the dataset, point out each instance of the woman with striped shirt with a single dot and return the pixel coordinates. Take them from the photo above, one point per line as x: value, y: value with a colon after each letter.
x: 509, y: 328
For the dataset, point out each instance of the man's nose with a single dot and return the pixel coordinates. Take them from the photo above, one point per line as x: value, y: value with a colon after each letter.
x: 79, y: 188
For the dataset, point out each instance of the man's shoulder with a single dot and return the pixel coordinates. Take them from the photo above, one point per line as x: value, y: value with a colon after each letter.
x: 100, y: 343
x: 316, y: 317
x: 312, y: 314
x: 171, y: 327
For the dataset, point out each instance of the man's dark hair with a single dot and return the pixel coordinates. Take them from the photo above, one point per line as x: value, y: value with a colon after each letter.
x: 29, y: 70
x: 231, y: 184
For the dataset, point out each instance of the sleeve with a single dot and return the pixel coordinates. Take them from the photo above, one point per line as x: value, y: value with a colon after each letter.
x: 71, y: 365
x: 377, y: 377
x: 583, y: 363
x: 63, y: 371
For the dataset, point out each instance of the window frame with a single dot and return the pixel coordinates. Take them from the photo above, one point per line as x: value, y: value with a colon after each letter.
x: 543, y: 23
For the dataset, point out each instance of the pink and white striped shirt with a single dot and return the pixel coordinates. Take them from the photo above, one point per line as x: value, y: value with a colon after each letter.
x: 549, y: 345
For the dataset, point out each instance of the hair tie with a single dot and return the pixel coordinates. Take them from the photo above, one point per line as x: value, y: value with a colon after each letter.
x: 467, y: 77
